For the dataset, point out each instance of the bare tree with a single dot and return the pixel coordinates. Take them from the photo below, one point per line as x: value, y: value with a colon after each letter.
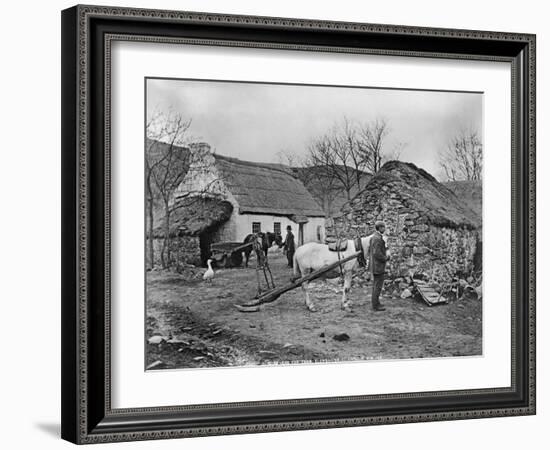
x: 166, y: 165
x: 343, y: 155
x: 348, y: 148
x: 462, y: 159
x: 289, y: 158
x: 372, y: 141
x: 394, y: 154
x: 319, y: 174
x: 153, y: 132
x: 149, y: 167
x: 315, y: 171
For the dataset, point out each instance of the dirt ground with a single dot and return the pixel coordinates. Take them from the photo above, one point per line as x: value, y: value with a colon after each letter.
x: 196, y: 324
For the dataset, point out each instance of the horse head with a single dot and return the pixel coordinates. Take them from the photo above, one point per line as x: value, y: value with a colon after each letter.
x: 278, y: 239
x: 270, y: 238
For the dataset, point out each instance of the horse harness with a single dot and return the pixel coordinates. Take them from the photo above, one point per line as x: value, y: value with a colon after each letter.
x: 359, y: 248
x: 358, y: 244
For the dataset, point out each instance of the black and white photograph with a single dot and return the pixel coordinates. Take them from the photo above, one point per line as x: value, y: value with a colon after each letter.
x: 275, y: 225
x: 291, y: 223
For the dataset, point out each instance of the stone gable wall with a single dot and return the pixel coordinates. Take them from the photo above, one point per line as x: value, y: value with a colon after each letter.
x: 440, y: 253
x: 202, y: 177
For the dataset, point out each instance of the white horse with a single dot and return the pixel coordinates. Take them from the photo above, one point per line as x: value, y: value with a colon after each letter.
x: 314, y: 256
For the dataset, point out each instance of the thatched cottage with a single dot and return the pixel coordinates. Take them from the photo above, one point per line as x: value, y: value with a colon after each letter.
x: 429, y: 228
x: 247, y: 196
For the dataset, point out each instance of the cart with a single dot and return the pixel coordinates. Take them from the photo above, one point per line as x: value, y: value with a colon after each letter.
x: 228, y: 254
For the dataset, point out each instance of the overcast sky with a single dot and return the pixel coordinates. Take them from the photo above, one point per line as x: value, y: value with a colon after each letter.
x: 255, y: 121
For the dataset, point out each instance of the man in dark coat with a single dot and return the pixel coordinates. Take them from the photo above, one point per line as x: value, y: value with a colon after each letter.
x: 378, y: 256
x: 289, y: 247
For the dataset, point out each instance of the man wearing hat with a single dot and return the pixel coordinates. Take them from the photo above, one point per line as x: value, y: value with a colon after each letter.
x: 378, y: 256
x: 289, y: 247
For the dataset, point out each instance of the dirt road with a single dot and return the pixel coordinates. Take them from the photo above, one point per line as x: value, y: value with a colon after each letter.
x: 201, y: 327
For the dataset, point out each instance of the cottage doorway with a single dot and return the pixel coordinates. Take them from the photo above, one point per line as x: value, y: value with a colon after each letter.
x: 205, y: 239
x: 300, y: 234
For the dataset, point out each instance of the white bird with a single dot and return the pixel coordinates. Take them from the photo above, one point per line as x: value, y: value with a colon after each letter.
x: 209, y: 274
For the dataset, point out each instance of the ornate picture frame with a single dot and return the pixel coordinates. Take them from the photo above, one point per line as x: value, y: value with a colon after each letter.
x: 88, y: 33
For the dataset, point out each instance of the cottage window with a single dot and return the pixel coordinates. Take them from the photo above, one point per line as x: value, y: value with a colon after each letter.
x: 256, y: 227
x: 277, y: 227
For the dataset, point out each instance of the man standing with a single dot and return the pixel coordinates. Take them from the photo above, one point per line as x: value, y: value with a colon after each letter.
x: 378, y: 256
x: 289, y: 246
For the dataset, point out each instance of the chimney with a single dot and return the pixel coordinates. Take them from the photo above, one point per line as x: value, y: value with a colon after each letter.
x: 202, y: 178
x: 200, y: 156
x: 199, y: 147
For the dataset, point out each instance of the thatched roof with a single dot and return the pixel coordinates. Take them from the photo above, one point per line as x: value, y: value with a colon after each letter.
x: 155, y: 150
x: 471, y: 193
x: 266, y: 188
x: 418, y: 191
x: 192, y: 216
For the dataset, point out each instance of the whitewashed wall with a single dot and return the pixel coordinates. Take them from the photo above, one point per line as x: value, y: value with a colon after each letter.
x: 244, y: 226
x: 311, y: 231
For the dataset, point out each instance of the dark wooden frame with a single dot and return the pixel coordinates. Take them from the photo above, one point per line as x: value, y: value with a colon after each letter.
x: 87, y: 415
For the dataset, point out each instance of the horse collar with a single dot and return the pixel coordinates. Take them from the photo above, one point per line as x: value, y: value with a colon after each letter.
x: 359, y: 248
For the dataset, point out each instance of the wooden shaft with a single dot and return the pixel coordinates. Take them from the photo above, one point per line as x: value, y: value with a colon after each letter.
x: 271, y: 276
x: 273, y: 295
x: 258, y: 279
x: 240, y: 247
x: 265, y: 276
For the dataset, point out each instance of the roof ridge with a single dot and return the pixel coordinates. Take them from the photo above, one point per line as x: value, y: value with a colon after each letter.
x: 268, y: 166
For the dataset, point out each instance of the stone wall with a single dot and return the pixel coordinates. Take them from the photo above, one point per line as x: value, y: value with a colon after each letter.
x: 415, y: 245
x: 202, y: 177
x: 184, y: 250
